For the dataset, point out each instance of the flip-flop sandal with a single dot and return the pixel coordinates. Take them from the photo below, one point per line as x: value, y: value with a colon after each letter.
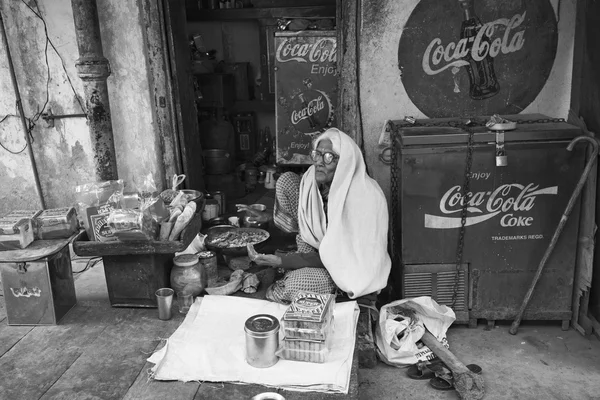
x: 446, y: 381
x: 424, y: 370
x: 419, y: 373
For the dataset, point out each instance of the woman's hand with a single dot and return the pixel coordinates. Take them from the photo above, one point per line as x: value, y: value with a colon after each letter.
x: 263, y: 259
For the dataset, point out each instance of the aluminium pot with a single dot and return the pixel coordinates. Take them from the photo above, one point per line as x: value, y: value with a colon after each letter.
x: 217, y: 161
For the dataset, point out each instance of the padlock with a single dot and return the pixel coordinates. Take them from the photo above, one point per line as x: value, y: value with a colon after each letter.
x: 501, y: 161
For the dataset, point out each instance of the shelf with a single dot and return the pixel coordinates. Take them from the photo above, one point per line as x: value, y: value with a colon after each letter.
x: 233, y: 14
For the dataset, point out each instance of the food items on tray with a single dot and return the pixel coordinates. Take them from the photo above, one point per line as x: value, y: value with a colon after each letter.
x: 308, y: 326
x: 132, y: 225
x: 15, y: 233
x: 183, y: 220
x: 237, y: 238
x: 56, y: 223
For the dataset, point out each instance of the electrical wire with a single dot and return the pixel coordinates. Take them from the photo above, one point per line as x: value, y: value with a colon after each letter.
x: 92, y: 262
x: 32, y: 121
x: 48, y: 41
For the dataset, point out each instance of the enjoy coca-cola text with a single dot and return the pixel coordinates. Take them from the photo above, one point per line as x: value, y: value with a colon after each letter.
x: 323, y: 50
x: 454, y: 53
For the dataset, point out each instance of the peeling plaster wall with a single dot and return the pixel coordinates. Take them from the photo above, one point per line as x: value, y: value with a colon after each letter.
x: 63, y: 153
x: 383, y: 96
x: 136, y: 142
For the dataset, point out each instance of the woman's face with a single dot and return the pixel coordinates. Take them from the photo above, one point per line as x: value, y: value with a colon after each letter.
x: 324, y: 172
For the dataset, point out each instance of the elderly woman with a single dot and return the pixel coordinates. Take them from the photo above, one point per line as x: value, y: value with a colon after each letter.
x: 342, y: 219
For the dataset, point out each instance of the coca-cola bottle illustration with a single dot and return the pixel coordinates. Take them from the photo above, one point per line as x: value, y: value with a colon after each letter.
x: 481, y: 73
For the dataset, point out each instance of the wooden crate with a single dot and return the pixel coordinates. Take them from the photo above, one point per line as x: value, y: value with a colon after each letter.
x: 135, y: 270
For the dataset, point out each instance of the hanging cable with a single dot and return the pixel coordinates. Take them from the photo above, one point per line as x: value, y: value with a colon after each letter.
x: 38, y: 14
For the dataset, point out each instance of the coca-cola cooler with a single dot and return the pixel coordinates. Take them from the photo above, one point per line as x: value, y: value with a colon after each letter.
x: 305, y: 91
x: 511, y: 216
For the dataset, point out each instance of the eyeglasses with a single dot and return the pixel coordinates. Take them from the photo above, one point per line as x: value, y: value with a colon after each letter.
x: 328, y: 157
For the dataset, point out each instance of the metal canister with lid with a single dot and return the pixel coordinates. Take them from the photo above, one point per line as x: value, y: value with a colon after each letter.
x: 262, y: 340
x: 211, y: 210
x: 208, y: 260
x: 220, y: 197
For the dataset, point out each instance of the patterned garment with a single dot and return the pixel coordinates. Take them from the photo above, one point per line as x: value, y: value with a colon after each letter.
x: 316, y: 280
x: 285, y: 211
x: 285, y: 216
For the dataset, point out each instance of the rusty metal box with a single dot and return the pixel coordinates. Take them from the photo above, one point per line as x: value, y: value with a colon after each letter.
x: 38, y: 292
x: 511, y: 215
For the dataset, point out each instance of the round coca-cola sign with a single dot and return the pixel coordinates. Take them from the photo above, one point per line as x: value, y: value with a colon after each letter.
x: 477, y: 57
x: 311, y: 111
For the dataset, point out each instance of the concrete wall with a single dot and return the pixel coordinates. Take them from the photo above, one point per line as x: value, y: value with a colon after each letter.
x: 63, y: 152
x: 383, y: 96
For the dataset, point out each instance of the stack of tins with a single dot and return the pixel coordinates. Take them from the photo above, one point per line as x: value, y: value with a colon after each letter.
x: 308, y: 328
x: 218, y: 141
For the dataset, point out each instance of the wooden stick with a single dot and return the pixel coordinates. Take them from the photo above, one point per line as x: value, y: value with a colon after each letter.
x: 453, y: 363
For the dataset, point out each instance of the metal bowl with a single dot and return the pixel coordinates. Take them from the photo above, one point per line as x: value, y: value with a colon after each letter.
x: 196, y: 196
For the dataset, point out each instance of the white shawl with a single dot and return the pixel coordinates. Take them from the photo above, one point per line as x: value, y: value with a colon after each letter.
x: 353, y: 246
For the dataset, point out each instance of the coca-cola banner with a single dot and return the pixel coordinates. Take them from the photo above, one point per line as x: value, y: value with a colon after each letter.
x: 305, y: 91
x: 477, y: 57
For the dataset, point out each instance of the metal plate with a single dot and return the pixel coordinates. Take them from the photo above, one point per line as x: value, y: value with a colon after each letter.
x: 233, y: 251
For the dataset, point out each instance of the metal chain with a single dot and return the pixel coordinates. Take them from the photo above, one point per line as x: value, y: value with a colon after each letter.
x: 395, y: 196
x: 463, y: 216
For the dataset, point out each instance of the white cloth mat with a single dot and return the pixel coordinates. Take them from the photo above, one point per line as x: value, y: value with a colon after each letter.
x: 210, y: 346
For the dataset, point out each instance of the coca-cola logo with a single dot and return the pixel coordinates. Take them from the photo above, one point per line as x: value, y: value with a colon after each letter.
x: 312, y: 107
x: 477, y: 57
x: 478, y: 48
x: 321, y: 51
x: 312, y: 112
x: 507, y: 200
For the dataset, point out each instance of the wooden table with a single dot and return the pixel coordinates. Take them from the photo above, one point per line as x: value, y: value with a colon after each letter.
x: 98, y: 351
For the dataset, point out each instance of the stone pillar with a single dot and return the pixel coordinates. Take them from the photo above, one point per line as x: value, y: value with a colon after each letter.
x: 93, y: 69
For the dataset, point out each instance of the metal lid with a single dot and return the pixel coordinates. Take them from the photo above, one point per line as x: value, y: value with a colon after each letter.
x: 261, y: 325
x: 186, y: 260
x: 451, y: 131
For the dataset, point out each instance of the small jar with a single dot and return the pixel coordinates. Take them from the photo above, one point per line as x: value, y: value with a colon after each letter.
x: 211, y: 210
x: 262, y: 340
x: 208, y: 260
x: 188, y: 275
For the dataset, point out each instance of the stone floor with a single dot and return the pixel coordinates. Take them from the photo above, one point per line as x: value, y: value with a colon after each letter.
x: 540, y: 362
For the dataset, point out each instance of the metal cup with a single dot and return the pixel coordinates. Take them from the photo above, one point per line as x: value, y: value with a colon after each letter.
x: 164, y: 298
